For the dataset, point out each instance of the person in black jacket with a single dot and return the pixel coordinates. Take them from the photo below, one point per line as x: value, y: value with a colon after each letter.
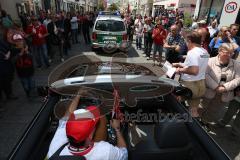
x: 86, y: 29
x: 55, y: 30
x: 25, y: 70
x: 67, y: 33
x: 6, y: 70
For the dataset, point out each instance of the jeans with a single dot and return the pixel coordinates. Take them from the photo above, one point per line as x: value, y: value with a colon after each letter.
x: 40, y: 53
x: 147, y: 46
x: 75, y: 35
x: 157, y: 48
x: 28, y: 84
x: 139, y: 42
x: 6, y: 85
x: 86, y: 36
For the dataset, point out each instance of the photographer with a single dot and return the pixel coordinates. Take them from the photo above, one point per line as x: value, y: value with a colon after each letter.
x: 222, y: 77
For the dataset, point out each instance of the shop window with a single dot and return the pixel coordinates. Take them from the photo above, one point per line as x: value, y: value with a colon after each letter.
x: 204, y: 10
x: 216, y: 8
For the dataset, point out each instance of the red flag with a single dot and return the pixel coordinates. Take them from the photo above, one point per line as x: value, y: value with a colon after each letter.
x: 128, y: 10
x: 116, y: 112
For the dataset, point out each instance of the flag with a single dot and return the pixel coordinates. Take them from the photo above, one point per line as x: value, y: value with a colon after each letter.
x: 128, y: 9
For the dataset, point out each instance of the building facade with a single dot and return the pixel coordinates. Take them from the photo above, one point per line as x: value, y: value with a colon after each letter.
x: 187, y: 6
x: 226, y: 11
x: 146, y: 7
x: 13, y: 7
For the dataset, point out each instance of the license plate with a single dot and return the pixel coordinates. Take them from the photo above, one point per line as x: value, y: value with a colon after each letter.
x: 109, y: 38
x: 109, y: 42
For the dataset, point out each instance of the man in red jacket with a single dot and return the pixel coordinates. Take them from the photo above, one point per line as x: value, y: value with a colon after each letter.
x: 39, y: 32
x: 159, y: 35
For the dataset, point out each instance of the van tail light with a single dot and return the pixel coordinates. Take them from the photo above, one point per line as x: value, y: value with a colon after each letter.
x: 94, y: 36
x: 124, y: 37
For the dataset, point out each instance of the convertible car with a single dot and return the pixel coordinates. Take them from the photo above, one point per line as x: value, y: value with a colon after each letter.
x: 155, y: 123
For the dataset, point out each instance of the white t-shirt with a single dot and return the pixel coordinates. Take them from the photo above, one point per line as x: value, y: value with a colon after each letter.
x: 212, y: 30
x: 46, y: 22
x: 197, y: 56
x: 74, y: 23
x: 138, y: 26
x: 101, y: 150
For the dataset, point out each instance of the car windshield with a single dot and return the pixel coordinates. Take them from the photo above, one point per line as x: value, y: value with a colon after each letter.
x: 110, y: 25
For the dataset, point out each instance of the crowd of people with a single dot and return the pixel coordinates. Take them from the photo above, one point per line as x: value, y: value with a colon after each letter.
x: 163, y: 32
x: 205, y: 57
x: 34, y: 42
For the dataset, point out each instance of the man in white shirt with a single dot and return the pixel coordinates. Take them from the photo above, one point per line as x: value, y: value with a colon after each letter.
x: 193, y: 70
x: 77, y: 134
x: 139, y: 32
x: 213, y: 28
x: 47, y: 20
x: 74, y: 28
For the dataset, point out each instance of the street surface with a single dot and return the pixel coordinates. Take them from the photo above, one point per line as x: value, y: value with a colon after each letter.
x: 19, y: 113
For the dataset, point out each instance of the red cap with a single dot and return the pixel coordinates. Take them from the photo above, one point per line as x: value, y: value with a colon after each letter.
x: 82, y: 123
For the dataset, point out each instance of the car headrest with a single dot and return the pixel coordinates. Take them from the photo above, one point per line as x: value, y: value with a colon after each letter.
x: 171, y: 134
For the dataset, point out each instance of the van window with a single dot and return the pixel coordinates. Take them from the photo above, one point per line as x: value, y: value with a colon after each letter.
x: 110, y: 25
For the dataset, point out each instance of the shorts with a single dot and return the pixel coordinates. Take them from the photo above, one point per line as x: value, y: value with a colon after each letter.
x: 198, y: 89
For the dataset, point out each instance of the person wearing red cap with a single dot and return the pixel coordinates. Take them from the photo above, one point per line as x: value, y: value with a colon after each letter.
x: 78, y: 136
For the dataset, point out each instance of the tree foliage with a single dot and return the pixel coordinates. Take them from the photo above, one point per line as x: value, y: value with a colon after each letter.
x: 101, y: 6
x: 113, y: 7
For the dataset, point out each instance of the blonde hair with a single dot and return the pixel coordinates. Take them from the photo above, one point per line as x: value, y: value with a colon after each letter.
x: 226, y: 46
x: 220, y: 33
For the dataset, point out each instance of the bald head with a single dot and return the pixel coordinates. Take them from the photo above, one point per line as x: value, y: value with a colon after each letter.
x: 174, y: 29
x: 204, y: 33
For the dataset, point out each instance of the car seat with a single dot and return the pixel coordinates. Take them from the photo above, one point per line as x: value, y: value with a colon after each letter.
x: 165, y: 141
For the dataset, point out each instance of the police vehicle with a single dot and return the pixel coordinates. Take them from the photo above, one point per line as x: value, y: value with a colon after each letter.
x: 109, y: 32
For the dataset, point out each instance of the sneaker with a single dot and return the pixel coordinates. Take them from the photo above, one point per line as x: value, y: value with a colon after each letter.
x: 62, y: 59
